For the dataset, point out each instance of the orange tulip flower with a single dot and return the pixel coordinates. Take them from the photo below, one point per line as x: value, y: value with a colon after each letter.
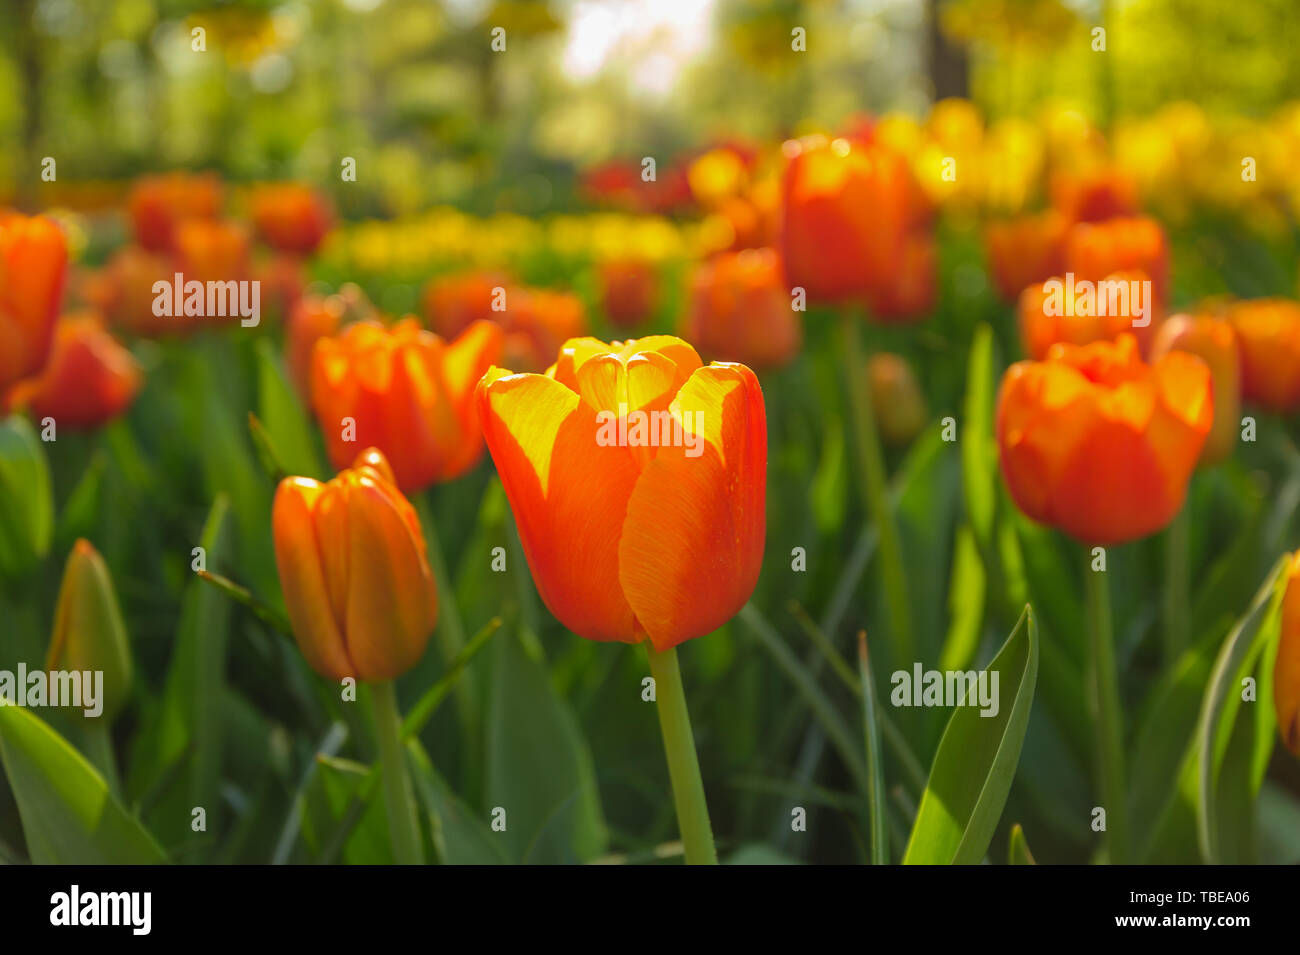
x: 355, y: 573
x: 740, y: 310
x: 33, y: 262
x: 210, y: 250
x: 1094, y: 250
x: 310, y: 320
x: 909, y: 294
x: 158, y: 203
x: 637, y: 477
x: 1268, y: 330
x: 291, y: 217
x: 1025, y: 251
x: 845, y: 212
x: 90, y: 378
x: 125, y: 293
x: 1097, y: 443
x: 1215, y: 342
x: 629, y: 289
x: 1286, y: 670
x: 406, y: 392
x: 454, y: 302
x: 1095, y: 195
x: 537, y: 322
x: 1041, y: 326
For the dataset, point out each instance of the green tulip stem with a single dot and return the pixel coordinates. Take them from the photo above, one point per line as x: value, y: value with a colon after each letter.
x: 1177, y: 587
x: 399, y: 797
x: 866, y: 440
x: 683, y: 762
x: 1103, y: 680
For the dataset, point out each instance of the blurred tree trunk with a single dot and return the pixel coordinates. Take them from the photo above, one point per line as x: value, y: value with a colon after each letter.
x: 949, y: 74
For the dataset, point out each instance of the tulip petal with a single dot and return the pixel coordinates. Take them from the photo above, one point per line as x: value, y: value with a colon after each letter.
x: 692, y: 545
x: 298, y: 558
x: 391, y: 602
x: 569, y: 496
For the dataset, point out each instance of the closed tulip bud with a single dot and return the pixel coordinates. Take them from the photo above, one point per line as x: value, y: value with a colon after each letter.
x: 291, y: 217
x: 1094, y: 250
x: 33, y: 261
x: 88, y: 629
x: 1099, y: 311
x: 407, y: 393
x: 740, y: 310
x: 896, y: 398
x: 637, y: 477
x: 629, y: 290
x: 452, y: 303
x: 845, y: 210
x: 1097, y: 443
x: 1286, y: 671
x: 1215, y: 343
x: 1268, y: 331
x: 1026, y: 251
x: 26, y: 498
x: 355, y: 573
x: 159, y: 203
x: 89, y: 380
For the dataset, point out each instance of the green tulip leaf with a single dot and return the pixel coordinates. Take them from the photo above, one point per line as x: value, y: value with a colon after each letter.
x: 976, y: 761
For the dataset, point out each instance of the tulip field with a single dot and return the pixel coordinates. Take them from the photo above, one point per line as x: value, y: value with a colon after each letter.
x: 601, y: 433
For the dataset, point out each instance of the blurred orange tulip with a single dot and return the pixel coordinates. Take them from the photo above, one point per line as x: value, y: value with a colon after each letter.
x: 740, y: 310
x: 158, y: 203
x: 284, y: 278
x: 1116, y: 295
x: 291, y: 217
x: 124, y: 292
x: 909, y: 294
x: 33, y: 263
x: 1286, y: 670
x: 1098, y: 194
x: 896, y: 398
x: 1025, y: 251
x: 1097, y: 443
x: 638, y: 480
x: 355, y: 573
x: 453, y: 302
x: 311, y: 319
x: 90, y: 378
x: 845, y: 212
x: 629, y: 290
x: 406, y: 392
x: 211, y: 250
x: 1215, y: 342
x: 537, y: 322
x: 1268, y: 330
x: 1094, y: 250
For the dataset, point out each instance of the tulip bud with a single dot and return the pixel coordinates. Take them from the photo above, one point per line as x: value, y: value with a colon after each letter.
x: 1215, y: 342
x: 896, y: 398
x: 26, y: 498
x: 352, y: 561
x: 1286, y: 671
x: 33, y: 261
x: 88, y: 631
